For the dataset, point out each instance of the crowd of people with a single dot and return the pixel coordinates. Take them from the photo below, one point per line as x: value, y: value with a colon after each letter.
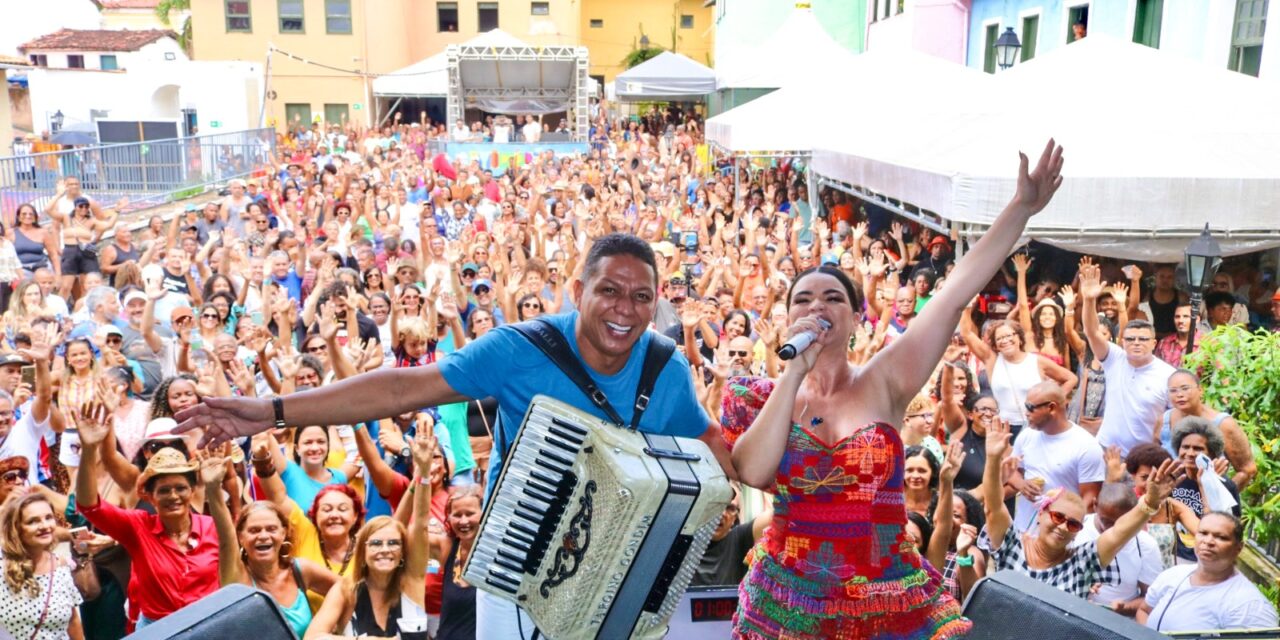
x: 1037, y: 400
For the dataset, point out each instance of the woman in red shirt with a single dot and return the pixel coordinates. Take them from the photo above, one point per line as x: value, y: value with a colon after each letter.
x: 174, y: 551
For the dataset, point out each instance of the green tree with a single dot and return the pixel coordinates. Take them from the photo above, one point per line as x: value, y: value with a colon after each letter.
x: 184, y: 30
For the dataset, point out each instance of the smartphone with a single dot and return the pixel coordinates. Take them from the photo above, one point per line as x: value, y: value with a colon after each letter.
x: 29, y: 376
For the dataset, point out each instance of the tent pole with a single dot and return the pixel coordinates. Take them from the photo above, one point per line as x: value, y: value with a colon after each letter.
x: 389, y: 111
x: 957, y: 238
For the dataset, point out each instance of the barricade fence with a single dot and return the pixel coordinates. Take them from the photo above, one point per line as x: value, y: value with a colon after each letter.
x: 147, y: 173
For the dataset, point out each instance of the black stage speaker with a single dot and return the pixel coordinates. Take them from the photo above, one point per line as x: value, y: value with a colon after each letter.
x: 1012, y: 606
x: 235, y: 611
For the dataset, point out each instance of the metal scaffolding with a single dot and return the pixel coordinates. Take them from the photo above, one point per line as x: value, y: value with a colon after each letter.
x: 572, y: 87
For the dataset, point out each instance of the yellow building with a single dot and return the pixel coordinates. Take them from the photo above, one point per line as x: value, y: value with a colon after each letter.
x: 611, y: 29
x: 138, y: 15
x: 327, y: 51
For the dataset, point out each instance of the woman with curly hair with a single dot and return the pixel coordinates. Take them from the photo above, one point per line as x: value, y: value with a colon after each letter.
x: 39, y: 598
x: 1011, y: 368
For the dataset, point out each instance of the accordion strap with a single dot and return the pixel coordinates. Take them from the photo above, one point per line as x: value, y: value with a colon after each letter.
x: 551, y: 342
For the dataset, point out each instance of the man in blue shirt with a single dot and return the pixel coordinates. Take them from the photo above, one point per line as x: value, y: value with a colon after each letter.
x: 616, y: 297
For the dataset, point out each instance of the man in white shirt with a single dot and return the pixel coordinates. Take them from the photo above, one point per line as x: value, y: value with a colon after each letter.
x: 410, y: 213
x: 1211, y: 594
x: 1138, y: 562
x: 1055, y: 452
x: 460, y: 132
x: 1137, y: 381
x: 45, y: 278
x: 24, y: 416
x: 533, y: 130
x: 502, y: 130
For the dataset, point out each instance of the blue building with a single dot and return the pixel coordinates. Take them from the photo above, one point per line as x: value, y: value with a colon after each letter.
x: 1228, y: 33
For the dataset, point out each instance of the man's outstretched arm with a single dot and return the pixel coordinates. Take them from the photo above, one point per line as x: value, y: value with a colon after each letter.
x: 370, y: 396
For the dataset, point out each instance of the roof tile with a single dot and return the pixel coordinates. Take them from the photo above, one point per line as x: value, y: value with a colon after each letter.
x: 96, y: 40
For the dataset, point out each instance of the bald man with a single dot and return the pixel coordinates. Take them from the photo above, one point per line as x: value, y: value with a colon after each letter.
x: 1055, y: 452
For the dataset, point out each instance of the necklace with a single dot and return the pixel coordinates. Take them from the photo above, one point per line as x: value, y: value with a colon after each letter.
x: 346, y: 558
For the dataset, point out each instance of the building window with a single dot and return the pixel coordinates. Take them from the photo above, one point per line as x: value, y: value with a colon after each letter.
x: 540, y: 8
x: 487, y: 16
x: 1077, y: 23
x: 1146, y: 22
x: 1246, y: 36
x: 336, y: 113
x: 686, y: 21
x: 75, y: 61
x: 297, y: 114
x: 238, y: 16
x: 989, y: 48
x: 1030, y: 32
x: 447, y: 16
x: 290, y: 16
x: 39, y: 59
x: 108, y: 63
x: 337, y: 16
x: 597, y: 23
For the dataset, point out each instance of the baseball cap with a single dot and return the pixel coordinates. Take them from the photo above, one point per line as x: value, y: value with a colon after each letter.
x: 13, y: 358
x: 180, y: 312
x: 481, y: 282
x: 133, y: 295
x: 81, y: 201
x: 108, y: 330
x: 471, y: 266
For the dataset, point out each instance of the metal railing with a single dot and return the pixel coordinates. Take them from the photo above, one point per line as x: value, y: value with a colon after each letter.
x: 147, y: 173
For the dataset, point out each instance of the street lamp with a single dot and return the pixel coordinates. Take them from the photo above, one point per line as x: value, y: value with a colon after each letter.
x: 56, y: 121
x: 1007, y: 46
x: 1202, y: 258
x: 644, y: 41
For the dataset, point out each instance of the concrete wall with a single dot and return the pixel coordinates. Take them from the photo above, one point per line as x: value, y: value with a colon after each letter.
x: 1197, y: 29
x: 6, y: 119
x: 624, y: 22
x: 224, y: 92
x: 386, y: 35
x: 935, y: 27
x: 139, y: 19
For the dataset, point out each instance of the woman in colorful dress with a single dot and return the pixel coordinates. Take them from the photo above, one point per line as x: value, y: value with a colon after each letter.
x: 836, y: 562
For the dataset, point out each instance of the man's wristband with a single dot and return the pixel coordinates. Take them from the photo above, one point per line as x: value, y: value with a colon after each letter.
x: 964, y: 561
x: 277, y: 405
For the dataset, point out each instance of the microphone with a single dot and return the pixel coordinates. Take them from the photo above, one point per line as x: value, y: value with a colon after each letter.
x: 801, y: 341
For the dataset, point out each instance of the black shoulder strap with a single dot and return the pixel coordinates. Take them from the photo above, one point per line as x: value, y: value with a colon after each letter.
x: 655, y: 359
x: 551, y: 342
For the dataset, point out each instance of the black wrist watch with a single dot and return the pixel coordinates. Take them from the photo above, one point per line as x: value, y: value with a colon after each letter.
x: 406, y: 452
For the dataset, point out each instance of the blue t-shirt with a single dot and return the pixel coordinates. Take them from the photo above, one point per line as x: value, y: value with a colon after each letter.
x: 302, y: 489
x: 292, y: 283
x: 506, y: 366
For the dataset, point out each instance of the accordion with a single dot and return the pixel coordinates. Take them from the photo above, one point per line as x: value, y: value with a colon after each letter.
x: 595, y: 530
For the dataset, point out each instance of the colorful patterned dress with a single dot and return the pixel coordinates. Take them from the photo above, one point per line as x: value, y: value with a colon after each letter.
x: 835, y: 564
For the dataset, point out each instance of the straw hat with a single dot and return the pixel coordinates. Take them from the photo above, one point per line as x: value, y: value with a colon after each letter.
x: 167, y: 461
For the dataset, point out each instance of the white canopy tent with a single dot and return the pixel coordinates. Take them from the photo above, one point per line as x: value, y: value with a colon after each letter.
x: 429, y: 78
x: 666, y: 77
x: 1148, y: 160
x: 800, y: 116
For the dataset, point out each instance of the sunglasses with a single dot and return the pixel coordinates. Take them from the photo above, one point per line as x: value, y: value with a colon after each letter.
x: 209, y: 316
x: 482, y: 290
x: 531, y: 305
x: 738, y: 354
x: 15, y: 476
x: 1032, y: 407
x: 1073, y: 525
x: 155, y: 446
